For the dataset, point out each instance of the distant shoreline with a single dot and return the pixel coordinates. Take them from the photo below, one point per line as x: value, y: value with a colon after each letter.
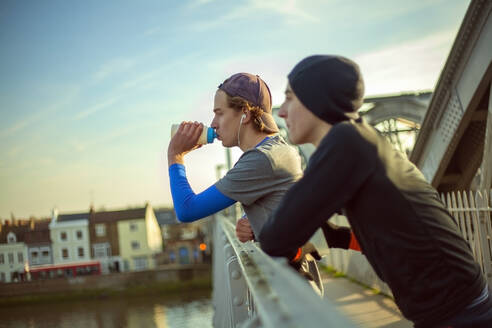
x: 197, y: 284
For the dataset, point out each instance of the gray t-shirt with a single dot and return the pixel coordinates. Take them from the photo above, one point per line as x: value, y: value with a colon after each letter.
x: 261, y: 177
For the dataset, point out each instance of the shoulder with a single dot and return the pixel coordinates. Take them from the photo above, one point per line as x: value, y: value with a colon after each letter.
x: 282, y: 156
x: 252, y: 159
x: 351, y: 136
x: 344, y: 132
x: 275, y: 146
x: 352, y: 140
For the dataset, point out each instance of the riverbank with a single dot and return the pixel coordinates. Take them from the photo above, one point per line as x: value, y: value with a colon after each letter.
x: 163, y: 282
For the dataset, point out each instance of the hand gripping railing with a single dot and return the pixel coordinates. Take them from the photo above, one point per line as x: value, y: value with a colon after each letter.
x: 252, y: 289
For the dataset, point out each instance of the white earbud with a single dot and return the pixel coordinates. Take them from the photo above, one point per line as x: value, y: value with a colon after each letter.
x: 241, y: 120
x: 239, y: 130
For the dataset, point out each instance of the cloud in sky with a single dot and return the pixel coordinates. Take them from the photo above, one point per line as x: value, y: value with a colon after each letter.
x: 96, y: 108
x: 131, y: 80
x: 290, y: 11
x: 114, y: 66
x: 42, y: 111
x: 106, y: 137
x: 410, y: 65
x: 379, y: 10
x: 153, y: 31
x: 198, y: 3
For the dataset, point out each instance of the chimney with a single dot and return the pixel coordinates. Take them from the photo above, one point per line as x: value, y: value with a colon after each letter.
x: 54, y: 215
x: 92, y: 213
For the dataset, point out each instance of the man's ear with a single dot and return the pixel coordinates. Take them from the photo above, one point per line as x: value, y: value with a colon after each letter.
x: 245, y: 117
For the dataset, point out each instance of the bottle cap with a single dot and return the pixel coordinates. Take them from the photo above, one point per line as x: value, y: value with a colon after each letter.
x: 211, y: 135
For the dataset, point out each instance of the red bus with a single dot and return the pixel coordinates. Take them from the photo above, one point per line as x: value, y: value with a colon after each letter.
x: 68, y: 270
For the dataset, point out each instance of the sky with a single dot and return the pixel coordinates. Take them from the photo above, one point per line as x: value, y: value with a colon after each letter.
x: 89, y: 89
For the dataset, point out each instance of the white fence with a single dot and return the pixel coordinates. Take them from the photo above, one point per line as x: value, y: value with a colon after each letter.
x: 472, y: 211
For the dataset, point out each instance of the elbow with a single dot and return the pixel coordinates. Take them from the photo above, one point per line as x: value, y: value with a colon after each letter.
x: 184, y: 216
x: 272, y: 251
x: 273, y: 245
x: 267, y: 244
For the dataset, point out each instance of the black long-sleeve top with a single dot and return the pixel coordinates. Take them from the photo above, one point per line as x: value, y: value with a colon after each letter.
x: 404, y: 229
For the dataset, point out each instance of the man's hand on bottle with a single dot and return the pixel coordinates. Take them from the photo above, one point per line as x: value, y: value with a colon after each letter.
x: 184, y: 141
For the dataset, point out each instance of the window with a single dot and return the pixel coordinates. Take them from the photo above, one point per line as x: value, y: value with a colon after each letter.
x: 135, y: 245
x: 20, y: 257
x: 11, y: 258
x: 101, y: 250
x: 46, y: 253
x: 11, y: 238
x: 2, y: 259
x: 79, y: 235
x: 34, y: 257
x: 2, y: 277
x: 63, y: 236
x: 133, y: 226
x: 100, y: 230
x: 81, y: 252
x: 65, y: 253
x: 140, y: 263
x: 184, y: 257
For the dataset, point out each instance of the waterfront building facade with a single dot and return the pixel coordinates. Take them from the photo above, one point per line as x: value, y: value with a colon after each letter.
x: 69, y: 235
x: 38, y: 243
x: 139, y: 239
x: 13, y: 251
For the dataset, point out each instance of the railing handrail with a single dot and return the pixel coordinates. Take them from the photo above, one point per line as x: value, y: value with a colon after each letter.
x: 282, y: 297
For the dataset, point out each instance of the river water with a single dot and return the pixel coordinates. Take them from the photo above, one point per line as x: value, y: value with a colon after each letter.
x: 187, y: 311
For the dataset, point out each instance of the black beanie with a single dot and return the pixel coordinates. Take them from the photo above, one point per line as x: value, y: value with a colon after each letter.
x: 329, y: 86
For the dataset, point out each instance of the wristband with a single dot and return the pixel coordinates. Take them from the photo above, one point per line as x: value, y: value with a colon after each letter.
x: 354, y: 243
x: 298, y: 255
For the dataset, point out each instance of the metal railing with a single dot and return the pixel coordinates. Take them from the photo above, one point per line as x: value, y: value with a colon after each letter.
x: 472, y: 211
x: 251, y: 289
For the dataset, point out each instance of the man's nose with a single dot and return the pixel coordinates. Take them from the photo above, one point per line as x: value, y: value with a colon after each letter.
x: 282, y: 112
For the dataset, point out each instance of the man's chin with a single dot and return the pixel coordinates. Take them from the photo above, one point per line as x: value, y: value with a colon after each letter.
x: 293, y: 140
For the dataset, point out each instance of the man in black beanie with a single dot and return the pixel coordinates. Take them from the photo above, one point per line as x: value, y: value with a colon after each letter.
x: 403, y: 228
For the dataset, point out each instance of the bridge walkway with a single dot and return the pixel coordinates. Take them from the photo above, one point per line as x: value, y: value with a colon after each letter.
x: 362, y: 305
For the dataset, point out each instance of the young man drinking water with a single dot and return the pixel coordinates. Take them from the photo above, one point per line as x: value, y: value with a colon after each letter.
x: 262, y: 175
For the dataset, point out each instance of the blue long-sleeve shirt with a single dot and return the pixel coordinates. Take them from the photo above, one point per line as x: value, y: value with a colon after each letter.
x: 189, y: 206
